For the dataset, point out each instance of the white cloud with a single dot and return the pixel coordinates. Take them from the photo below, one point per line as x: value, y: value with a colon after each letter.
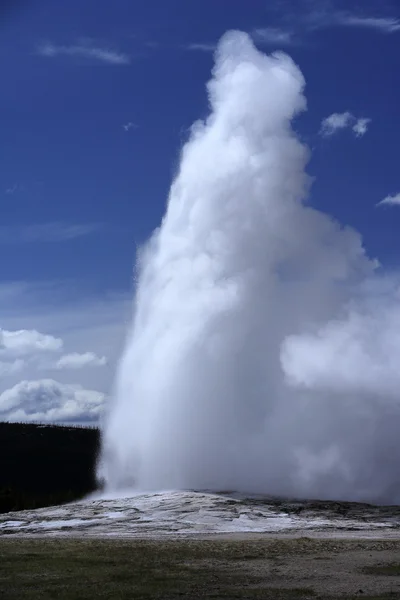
x: 335, y: 122
x: 390, y: 200
x: 361, y: 127
x: 272, y: 35
x: 45, y: 232
x: 24, y: 342
x: 129, y: 126
x: 86, y: 51
x: 314, y: 15
x: 339, y: 121
x: 381, y: 24
x: 202, y: 47
x: 74, y: 360
x: 71, y: 312
x: 48, y: 401
x: 37, y: 351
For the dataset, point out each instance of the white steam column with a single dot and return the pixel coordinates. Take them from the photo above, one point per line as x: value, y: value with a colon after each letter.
x: 224, y: 382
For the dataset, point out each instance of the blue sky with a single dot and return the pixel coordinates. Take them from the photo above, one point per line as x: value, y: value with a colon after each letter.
x: 97, y: 98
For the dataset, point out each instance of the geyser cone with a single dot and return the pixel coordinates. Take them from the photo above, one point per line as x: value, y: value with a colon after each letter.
x: 209, y: 392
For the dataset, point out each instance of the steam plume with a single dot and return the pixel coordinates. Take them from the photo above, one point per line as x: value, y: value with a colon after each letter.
x: 258, y: 354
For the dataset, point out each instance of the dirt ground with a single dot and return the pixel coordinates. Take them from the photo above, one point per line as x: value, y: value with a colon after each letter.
x: 327, y: 568
x: 234, y: 566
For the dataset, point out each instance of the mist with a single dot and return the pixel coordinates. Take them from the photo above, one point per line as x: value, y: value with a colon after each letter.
x: 263, y: 348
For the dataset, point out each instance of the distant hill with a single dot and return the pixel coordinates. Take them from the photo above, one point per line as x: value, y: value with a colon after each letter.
x: 43, y: 465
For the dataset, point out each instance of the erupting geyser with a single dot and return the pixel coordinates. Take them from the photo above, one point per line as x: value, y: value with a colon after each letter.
x: 263, y: 351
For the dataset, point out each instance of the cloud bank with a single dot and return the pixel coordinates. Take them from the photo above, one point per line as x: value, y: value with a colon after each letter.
x: 90, y: 325
x: 49, y: 401
x: 45, y: 399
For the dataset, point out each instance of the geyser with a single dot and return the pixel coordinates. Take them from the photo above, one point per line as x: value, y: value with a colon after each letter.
x: 263, y: 351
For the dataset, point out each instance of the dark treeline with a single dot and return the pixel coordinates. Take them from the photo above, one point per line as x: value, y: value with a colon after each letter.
x: 44, y: 465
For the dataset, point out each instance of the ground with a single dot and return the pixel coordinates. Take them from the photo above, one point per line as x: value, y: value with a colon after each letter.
x: 234, y: 566
x: 173, y: 545
x: 193, y: 513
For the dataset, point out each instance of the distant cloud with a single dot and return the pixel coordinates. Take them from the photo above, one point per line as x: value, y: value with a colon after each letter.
x: 381, y: 24
x: 24, y: 342
x: 335, y: 122
x: 390, y: 201
x: 49, y: 401
x: 339, y: 121
x: 129, y: 126
x: 85, y: 320
x: 86, y: 51
x: 306, y: 16
x: 44, y: 232
x: 29, y: 347
x: 202, y: 47
x: 361, y: 127
x: 262, y: 35
x: 78, y: 361
x: 272, y: 35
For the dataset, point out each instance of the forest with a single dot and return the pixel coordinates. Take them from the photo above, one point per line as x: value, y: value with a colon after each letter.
x: 44, y: 465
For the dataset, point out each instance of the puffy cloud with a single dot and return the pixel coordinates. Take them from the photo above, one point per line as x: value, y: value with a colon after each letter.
x: 390, y: 200
x: 339, y: 121
x: 335, y: 122
x: 74, y: 360
x: 24, y: 342
x: 47, y: 400
x: 31, y: 349
x: 84, y: 322
x: 360, y: 128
